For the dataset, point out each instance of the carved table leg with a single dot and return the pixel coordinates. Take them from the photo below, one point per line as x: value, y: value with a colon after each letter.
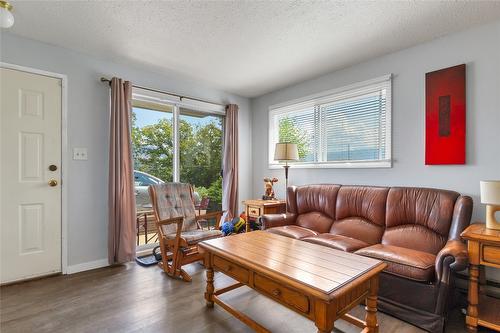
x: 210, y: 283
x: 371, y: 307
x: 324, y: 317
x: 482, y: 280
x: 471, y: 319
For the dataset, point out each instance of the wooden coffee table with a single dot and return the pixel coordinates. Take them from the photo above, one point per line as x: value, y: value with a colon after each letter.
x: 317, y: 282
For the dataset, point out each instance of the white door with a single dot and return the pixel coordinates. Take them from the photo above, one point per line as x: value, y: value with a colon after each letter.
x: 30, y: 170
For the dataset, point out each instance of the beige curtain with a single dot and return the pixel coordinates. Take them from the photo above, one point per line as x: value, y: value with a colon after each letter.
x: 122, y: 222
x: 230, y: 163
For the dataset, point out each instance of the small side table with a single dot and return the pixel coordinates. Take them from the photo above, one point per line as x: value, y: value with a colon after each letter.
x: 256, y: 208
x: 484, y: 250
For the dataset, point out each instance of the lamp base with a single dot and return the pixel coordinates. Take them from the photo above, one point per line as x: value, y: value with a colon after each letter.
x: 286, y: 166
x: 491, y: 222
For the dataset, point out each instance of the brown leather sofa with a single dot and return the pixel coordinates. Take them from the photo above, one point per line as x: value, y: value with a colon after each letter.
x: 416, y: 231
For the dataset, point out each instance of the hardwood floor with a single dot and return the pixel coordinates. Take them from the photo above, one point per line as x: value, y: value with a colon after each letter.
x: 131, y: 298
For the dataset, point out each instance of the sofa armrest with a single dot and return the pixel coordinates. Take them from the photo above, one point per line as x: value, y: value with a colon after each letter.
x: 277, y: 220
x: 461, y: 217
x: 452, y: 256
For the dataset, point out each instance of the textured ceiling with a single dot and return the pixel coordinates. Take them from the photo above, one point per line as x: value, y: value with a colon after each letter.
x: 245, y: 47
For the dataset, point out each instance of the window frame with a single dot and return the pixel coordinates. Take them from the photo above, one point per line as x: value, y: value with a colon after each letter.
x: 328, y: 97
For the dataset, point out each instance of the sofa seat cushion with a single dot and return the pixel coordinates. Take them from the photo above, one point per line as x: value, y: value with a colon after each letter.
x: 412, y: 264
x: 293, y: 231
x: 337, y: 242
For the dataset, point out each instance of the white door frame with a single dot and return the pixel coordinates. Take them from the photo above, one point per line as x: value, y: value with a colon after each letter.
x: 64, y: 153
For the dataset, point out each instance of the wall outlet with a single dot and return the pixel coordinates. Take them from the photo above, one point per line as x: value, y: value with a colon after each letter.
x: 80, y: 154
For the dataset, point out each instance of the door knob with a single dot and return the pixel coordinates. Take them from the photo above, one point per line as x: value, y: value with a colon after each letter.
x: 52, y: 182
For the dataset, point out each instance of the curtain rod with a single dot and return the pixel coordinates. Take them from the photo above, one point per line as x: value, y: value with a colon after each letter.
x: 103, y: 79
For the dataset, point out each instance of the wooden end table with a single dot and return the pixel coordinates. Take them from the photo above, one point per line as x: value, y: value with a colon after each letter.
x: 320, y: 283
x: 255, y: 208
x: 484, y: 250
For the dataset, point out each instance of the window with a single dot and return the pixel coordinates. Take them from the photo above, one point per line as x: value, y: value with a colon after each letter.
x: 200, y: 158
x: 347, y: 127
x: 175, y: 140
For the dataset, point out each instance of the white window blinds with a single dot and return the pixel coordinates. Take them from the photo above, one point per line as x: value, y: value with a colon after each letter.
x: 348, y: 127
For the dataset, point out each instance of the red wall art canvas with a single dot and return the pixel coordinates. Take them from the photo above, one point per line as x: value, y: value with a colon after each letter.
x: 445, y: 116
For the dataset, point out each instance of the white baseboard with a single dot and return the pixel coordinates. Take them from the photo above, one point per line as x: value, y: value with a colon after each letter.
x: 85, y: 266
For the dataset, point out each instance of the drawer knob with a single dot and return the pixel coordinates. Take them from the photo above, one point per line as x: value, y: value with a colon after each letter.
x: 276, y: 292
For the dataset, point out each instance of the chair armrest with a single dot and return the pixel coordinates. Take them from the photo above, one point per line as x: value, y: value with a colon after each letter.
x: 277, y: 220
x: 216, y: 215
x: 179, y: 220
x: 452, y: 256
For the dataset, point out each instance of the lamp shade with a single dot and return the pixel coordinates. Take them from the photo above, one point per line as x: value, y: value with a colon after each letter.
x: 6, y: 17
x: 490, y: 192
x: 285, y: 151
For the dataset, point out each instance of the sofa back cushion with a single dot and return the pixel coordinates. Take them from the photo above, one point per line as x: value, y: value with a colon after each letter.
x: 419, y: 218
x: 314, y: 206
x: 360, y: 213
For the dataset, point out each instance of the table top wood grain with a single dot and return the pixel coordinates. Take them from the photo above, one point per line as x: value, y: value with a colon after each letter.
x: 314, y: 266
x: 479, y: 232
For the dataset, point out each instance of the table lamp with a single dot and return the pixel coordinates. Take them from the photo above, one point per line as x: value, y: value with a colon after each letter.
x: 490, y: 195
x: 286, y: 152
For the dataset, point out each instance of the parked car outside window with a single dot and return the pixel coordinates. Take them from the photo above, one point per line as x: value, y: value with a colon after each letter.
x: 142, y: 180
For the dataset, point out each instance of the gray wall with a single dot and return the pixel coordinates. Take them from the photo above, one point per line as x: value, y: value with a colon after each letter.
x: 479, y: 48
x: 88, y: 108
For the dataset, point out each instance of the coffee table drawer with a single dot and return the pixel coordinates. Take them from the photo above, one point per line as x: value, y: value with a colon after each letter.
x: 239, y: 273
x: 281, y: 293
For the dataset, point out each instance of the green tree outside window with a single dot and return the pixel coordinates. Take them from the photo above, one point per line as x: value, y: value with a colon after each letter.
x: 290, y: 132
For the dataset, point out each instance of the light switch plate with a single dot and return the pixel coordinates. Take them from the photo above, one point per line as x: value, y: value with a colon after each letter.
x: 80, y: 154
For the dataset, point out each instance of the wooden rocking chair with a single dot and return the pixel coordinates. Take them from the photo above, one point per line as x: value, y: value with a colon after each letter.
x: 178, y: 229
